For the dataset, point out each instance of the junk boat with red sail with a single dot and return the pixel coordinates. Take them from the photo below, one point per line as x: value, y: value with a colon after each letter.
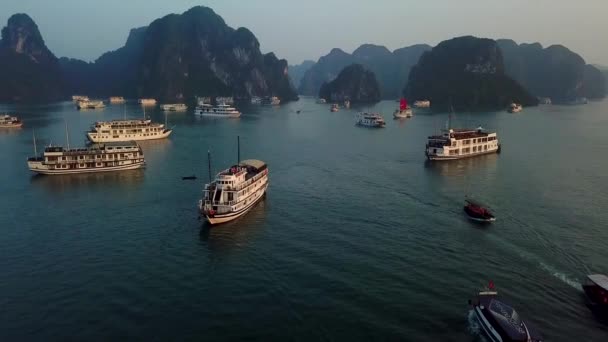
x: 404, y: 110
x: 234, y: 191
x: 477, y: 211
x: 596, y: 291
x: 499, y: 320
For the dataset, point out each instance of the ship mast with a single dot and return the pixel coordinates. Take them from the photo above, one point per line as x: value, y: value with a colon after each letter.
x: 67, y: 135
x: 209, y: 164
x: 35, y: 149
x: 238, y: 143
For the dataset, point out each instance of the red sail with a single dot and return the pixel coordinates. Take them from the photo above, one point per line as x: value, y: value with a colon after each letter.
x: 403, y: 104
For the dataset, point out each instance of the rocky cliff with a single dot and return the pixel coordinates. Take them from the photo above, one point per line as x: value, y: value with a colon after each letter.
x: 353, y: 83
x: 468, y: 73
x: 29, y: 72
x: 296, y: 72
x: 391, y: 68
x: 181, y: 56
x: 554, y: 72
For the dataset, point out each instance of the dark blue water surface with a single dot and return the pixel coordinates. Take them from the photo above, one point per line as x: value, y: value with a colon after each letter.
x: 359, y: 237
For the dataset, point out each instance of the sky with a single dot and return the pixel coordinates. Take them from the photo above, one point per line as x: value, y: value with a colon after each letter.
x: 308, y: 29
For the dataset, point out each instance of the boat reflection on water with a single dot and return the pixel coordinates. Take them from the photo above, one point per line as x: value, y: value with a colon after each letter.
x: 125, y: 180
x: 235, y: 234
x: 461, y: 167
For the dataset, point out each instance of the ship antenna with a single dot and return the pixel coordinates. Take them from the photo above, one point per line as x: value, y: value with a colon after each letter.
x: 124, y: 111
x: 67, y: 135
x: 209, y: 163
x: 144, y: 111
x: 35, y: 149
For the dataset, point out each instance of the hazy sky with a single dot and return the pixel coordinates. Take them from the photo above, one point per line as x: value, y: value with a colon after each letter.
x: 307, y: 29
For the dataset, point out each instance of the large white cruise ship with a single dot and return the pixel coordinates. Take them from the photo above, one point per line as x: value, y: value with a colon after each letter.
x: 234, y: 191
x: 126, y: 130
x: 107, y: 157
x: 461, y: 143
x: 221, y: 110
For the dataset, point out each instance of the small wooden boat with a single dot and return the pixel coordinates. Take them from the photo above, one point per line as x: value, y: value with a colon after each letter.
x: 477, y: 212
x: 193, y: 177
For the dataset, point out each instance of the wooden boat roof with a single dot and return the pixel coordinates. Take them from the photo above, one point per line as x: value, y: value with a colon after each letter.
x: 599, y: 280
x: 258, y: 164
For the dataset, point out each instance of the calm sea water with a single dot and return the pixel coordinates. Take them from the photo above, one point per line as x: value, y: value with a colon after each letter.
x: 359, y: 237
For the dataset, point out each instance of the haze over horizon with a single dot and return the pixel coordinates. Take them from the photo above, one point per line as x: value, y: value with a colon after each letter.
x: 300, y: 31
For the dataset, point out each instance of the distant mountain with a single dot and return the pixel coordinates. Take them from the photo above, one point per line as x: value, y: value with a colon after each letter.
x: 554, y: 72
x: 353, y: 83
x: 181, y: 56
x: 468, y: 73
x: 29, y: 72
x: 391, y: 68
x: 296, y: 72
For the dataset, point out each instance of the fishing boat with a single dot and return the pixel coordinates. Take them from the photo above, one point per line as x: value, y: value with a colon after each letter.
x: 499, y: 320
x: 117, y: 100
x: 174, y: 107
x: 234, y: 191
x: 370, y: 120
x: 478, y: 212
x: 147, y: 102
x: 456, y: 144
x: 596, y: 291
x: 221, y: 110
x: 7, y: 121
x: 334, y: 108
x: 515, y: 108
x: 404, y: 111
x: 422, y: 104
x: 90, y: 104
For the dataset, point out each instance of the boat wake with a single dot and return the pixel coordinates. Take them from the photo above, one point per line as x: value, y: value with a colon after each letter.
x: 562, y: 276
x: 473, y: 327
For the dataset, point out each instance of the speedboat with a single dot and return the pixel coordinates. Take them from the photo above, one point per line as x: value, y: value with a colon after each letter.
x: 499, y: 321
x: 596, y: 291
x: 477, y: 212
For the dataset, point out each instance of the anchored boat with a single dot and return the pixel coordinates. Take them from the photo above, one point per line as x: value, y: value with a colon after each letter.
x: 404, y: 110
x: 7, y: 121
x: 234, y: 191
x: 461, y: 143
x: 370, y: 120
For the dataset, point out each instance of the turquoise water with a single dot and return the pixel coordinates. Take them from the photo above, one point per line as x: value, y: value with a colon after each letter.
x: 359, y: 237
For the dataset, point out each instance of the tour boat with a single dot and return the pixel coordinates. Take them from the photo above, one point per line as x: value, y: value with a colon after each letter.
x: 90, y: 104
x: 117, y: 99
x: 334, y: 108
x: 515, y: 108
x: 596, y: 291
x: 126, y: 130
x: 234, y: 191
x: 321, y: 101
x: 461, y: 143
x: 7, y: 121
x: 370, y: 120
x: 147, y: 102
x: 404, y: 111
x: 221, y: 110
x: 422, y: 104
x: 77, y: 98
x: 57, y: 160
x: 271, y: 101
x: 499, y: 320
x: 477, y: 212
x: 174, y: 107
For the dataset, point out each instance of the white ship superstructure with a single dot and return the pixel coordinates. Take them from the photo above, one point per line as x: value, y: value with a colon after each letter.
x: 221, y: 110
x: 126, y: 130
x: 77, y: 98
x: 117, y: 100
x: 174, y: 107
x: 371, y: 120
x: 90, y: 104
x: 57, y: 160
x: 7, y: 121
x: 234, y: 191
x: 461, y: 143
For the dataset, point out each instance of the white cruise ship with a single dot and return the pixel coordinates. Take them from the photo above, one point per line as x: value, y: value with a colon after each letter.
x: 77, y: 98
x: 107, y: 157
x: 126, y: 130
x: 7, y: 121
x: 371, y: 120
x: 221, y: 110
x: 422, y: 104
x: 117, y: 99
x: 461, y: 143
x: 174, y: 107
x: 147, y: 102
x: 234, y: 191
x: 90, y: 104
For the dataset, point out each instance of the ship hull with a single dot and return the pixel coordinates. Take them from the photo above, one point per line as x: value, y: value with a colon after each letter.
x: 235, y: 115
x: 444, y: 158
x: 224, y: 218
x: 12, y: 125
x: 33, y: 166
x: 131, y: 137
